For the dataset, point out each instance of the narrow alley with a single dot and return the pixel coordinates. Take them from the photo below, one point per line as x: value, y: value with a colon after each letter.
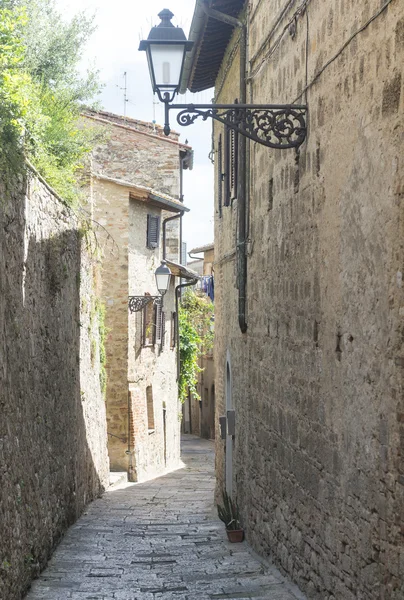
x: 160, y: 539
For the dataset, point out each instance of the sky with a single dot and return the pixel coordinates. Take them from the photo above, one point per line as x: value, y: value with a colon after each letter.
x: 113, y: 50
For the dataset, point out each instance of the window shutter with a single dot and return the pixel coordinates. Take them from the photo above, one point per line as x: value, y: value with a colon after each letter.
x: 153, y: 231
x: 233, y: 164
x: 226, y: 166
x: 163, y: 329
x: 219, y: 175
x: 158, y: 322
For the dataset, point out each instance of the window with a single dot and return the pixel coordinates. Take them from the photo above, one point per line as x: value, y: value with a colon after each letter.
x: 149, y: 324
x: 153, y: 324
x: 150, y: 408
x: 153, y: 231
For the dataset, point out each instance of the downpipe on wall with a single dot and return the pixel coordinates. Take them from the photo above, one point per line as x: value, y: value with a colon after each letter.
x: 241, y: 195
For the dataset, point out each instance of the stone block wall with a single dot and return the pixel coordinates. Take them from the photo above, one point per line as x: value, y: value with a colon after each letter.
x: 317, y: 379
x: 132, y: 155
x: 53, y: 451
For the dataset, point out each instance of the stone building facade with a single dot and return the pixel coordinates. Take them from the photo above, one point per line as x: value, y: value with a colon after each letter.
x: 199, y: 415
x: 316, y: 379
x: 53, y: 438
x: 136, y: 186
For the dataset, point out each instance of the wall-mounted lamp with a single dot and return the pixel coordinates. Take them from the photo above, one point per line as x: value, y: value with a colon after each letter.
x: 163, y: 277
x: 273, y: 125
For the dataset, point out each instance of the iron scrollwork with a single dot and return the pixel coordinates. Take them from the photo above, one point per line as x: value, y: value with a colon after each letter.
x: 137, y: 303
x: 274, y: 126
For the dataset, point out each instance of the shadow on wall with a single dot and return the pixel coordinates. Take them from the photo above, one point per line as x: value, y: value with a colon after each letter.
x: 47, y: 470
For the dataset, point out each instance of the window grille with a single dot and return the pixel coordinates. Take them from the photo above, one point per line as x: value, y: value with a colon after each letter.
x: 153, y: 231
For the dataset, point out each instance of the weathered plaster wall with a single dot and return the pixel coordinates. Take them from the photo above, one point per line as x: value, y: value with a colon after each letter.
x: 53, y: 451
x: 158, y: 448
x: 317, y: 378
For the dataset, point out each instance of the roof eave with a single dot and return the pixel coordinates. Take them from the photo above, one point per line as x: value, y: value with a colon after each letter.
x: 181, y: 271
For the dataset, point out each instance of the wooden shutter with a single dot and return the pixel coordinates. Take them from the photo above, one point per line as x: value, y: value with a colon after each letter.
x: 158, y: 322
x: 153, y: 231
x: 163, y: 329
x: 219, y: 175
x: 226, y: 166
x: 233, y: 176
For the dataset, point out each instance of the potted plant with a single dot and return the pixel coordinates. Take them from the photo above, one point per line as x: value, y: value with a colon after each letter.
x: 229, y: 514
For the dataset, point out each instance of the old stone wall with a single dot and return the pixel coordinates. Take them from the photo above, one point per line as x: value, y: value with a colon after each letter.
x: 317, y: 379
x: 152, y: 373
x: 142, y: 396
x: 53, y: 451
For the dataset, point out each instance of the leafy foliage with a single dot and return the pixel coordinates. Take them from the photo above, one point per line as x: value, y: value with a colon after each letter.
x: 196, y: 339
x: 229, y: 512
x: 41, y: 92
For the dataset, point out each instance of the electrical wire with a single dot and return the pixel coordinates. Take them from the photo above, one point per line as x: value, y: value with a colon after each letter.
x: 340, y: 51
x: 278, y: 40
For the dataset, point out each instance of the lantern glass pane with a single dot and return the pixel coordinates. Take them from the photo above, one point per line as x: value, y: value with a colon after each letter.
x: 162, y: 282
x: 167, y: 64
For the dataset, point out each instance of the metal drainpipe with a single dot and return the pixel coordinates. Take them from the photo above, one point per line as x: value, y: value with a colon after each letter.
x: 241, y: 195
x: 242, y: 161
x: 179, y: 216
x: 180, y: 286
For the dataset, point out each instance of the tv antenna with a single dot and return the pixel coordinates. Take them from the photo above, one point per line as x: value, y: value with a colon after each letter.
x: 125, y: 93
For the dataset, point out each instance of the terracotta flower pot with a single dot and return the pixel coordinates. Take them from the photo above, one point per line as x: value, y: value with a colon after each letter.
x: 235, y: 535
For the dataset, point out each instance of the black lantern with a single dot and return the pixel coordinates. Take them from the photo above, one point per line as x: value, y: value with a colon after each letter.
x: 273, y: 125
x: 165, y: 48
x: 163, y: 276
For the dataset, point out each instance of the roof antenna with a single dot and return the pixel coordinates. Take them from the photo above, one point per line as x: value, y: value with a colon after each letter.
x: 125, y: 94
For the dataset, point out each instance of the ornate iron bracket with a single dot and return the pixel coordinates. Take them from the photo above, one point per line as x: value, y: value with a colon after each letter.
x: 137, y: 303
x: 272, y: 125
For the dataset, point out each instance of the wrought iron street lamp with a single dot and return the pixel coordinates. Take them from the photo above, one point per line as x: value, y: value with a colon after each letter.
x: 273, y: 125
x: 163, y: 277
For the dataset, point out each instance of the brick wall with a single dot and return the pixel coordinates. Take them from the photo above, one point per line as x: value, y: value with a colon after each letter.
x: 317, y: 378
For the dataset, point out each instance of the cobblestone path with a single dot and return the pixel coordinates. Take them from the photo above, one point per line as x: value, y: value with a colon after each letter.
x: 160, y: 539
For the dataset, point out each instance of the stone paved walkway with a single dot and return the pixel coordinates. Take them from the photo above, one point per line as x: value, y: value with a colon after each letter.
x: 160, y: 539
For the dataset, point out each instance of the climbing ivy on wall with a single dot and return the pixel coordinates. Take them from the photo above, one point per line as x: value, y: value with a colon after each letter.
x: 42, y: 93
x: 196, y: 339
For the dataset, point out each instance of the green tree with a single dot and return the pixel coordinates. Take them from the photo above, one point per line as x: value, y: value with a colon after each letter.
x: 42, y: 92
x: 196, y: 339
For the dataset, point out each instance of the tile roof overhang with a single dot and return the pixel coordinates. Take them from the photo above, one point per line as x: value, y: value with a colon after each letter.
x: 202, y: 248
x: 181, y: 271
x: 210, y: 38
x: 146, y: 194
